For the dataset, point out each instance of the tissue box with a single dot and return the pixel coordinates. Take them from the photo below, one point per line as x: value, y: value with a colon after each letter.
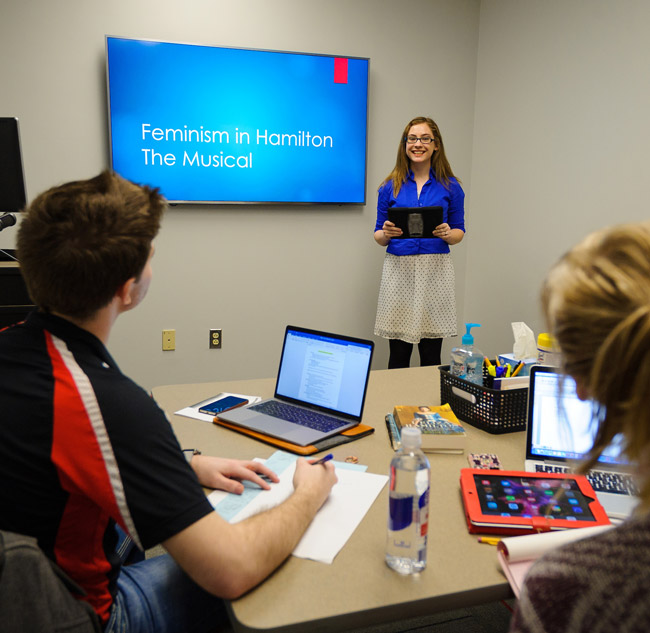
x: 510, y: 359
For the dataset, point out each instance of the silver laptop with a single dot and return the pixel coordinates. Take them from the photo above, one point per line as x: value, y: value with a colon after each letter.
x: 320, y: 389
x: 560, y: 433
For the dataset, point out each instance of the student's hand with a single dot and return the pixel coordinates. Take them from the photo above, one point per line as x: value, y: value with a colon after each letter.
x: 315, y: 480
x: 227, y: 474
x: 390, y: 230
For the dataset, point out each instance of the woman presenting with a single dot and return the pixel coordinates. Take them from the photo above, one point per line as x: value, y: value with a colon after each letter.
x: 417, y: 299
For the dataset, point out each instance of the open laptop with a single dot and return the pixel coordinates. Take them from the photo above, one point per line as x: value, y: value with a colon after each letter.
x: 560, y: 433
x: 320, y: 389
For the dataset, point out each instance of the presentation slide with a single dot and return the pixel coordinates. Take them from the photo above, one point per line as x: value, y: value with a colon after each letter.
x: 211, y: 124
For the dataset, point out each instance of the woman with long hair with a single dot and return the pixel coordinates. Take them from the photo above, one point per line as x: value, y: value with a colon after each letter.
x: 417, y: 301
x: 596, y: 301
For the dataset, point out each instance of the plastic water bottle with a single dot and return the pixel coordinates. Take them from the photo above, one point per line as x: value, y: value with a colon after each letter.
x: 408, y: 501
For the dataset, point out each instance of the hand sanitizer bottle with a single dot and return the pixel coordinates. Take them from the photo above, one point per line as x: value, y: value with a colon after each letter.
x: 467, y: 360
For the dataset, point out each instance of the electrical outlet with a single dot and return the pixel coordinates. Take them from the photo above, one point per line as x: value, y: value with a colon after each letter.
x: 215, y: 339
x: 168, y: 340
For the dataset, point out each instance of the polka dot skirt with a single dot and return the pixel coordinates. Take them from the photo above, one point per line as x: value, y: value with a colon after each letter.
x: 417, y: 297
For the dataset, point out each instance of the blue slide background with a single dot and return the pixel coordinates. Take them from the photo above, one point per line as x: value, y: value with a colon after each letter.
x: 176, y: 85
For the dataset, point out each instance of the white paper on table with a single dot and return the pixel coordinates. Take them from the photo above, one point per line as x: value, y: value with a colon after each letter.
x: 516, y: 554
x: 334, y: 523
x: 193, y: 410
x: 340, y: 515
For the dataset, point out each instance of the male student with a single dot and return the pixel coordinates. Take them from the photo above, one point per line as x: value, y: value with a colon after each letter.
x: 86, y: 455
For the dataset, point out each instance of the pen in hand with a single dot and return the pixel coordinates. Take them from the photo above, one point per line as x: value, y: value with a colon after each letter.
x: 322, y: 460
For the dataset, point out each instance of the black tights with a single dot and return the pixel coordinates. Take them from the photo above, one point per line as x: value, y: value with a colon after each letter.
x: 400, y: 352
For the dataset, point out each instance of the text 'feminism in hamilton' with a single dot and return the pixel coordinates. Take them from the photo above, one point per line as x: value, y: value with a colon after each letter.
x: 297, y: 139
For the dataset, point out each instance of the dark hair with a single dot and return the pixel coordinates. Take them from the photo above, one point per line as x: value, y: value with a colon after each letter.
x: 439, y: 162
x: 79, y: 242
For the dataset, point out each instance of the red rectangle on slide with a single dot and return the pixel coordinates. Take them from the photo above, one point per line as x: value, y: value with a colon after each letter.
x: 340, y: 70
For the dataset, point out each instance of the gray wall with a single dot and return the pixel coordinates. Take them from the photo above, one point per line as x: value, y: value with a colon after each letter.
x: 560, y: 145
x: 313, y: 266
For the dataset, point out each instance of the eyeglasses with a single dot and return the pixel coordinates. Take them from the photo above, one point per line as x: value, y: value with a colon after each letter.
x: 425, y: 140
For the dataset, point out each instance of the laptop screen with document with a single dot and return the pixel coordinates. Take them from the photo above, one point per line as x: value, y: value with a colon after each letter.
x: 560, y: 425
x: 326, y: 371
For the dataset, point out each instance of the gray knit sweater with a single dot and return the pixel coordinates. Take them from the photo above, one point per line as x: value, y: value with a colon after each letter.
x: 597, y: 585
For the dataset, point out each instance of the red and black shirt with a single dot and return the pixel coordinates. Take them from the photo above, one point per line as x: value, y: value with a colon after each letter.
x: 82, y: 447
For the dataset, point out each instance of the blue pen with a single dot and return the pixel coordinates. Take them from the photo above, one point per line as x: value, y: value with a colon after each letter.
x: 322, y: 460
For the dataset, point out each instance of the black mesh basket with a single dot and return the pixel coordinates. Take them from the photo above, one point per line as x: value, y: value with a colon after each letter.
x: 491, y: 410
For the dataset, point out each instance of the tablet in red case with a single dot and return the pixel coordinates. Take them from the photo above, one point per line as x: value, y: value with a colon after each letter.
x: 517, y: 502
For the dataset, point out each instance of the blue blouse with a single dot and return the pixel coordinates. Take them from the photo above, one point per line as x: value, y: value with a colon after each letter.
x: 433, y: 194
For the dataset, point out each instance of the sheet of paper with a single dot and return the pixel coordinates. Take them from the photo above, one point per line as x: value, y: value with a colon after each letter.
x: 532, y: 546
x: 515, y: 572
x: 335, y: 522
x: 230, y: 506
x: 193, y: 410
x: 517, y: 554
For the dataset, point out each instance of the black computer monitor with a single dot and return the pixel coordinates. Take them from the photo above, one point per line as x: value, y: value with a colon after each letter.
x: 12, y: 178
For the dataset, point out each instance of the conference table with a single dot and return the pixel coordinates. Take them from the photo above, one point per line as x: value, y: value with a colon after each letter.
x: 358, y: 589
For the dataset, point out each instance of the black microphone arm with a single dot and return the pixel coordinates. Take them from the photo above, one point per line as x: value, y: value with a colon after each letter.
x: 7, y: 220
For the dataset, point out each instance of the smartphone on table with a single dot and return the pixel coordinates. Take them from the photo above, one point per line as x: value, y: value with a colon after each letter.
x: 223, y: 404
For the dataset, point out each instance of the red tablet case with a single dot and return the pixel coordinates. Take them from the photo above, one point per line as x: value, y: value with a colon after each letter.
x: 511, y: 525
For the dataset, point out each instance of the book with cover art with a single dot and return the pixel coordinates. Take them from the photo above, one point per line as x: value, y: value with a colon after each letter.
x: 441, y: 430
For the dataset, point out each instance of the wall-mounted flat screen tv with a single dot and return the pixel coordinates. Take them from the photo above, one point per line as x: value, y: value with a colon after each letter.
x: 209, y: 124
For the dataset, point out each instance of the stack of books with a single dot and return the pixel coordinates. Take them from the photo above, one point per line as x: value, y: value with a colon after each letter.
x: 441, y: 430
